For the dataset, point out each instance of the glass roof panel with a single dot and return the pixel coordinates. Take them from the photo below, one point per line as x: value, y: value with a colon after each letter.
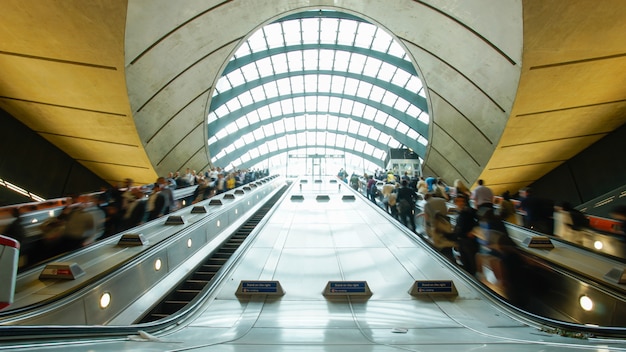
x: 280, y: 63
x: 310, y: 30
x: 236, y: 78
x: 250, y: 72
x: 315, y: 83
x: 258, y: 134
x: 365, y: 35
x: 273, y: 35
x: 291, y: 31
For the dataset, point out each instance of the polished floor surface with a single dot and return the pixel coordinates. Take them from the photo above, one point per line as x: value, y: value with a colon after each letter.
x: 305, y: 244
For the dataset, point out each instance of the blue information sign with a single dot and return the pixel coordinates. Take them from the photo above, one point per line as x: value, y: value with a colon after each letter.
x: 259, y: 286
x: 434, y: 286
x: 347, y: 287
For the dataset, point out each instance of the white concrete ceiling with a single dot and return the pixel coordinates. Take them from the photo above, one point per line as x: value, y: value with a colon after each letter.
x: 515, y: 87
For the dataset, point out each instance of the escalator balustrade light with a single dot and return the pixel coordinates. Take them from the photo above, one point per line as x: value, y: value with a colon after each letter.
x: 157, y: 264
x: 189, y: 243
x: 236, y: 211
x: 585, y: 303
x: 219, y: 223
x: 598, y: 245
x: 105, y: 300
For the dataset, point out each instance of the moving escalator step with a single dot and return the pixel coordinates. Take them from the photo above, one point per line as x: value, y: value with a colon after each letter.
x: 211, y: 267
x: 187, y: 295
x: 170, y: 307
x: 157, y: 316
x: 194, y: 284
x: 203, y: 275
x: 191, y: 286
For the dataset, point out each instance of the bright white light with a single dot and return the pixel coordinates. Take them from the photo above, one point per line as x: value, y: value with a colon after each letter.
x: 105, y: 300
x: 189, y: 243
x: 586, y: 303
x: 598, y: 245
x: 157, y: 264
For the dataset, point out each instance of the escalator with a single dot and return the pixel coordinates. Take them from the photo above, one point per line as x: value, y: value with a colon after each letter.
x: 201, y: 277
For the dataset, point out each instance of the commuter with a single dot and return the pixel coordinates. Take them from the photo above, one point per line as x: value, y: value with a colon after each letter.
x: 230, y: 181
x: 482, y: 196
x: 461, y: 188
x: 114, y: 210
x: 80, y: 223
x: 497, y: 243
x: 354, y: 182
x: 539, y: 212
x: 167, y: 189
x: 388, y: 188
x: 506, y: 212
x: 53, y: 228
x: 190, y: 176
x: 405, y: 202
x: 440, y: 190
x: 371, y: 189
x: 619, y: 212
x: 430, y: 183
x: 437, y: 223
x: 84, y: 224
x: 220, y: 184
x: 579, y: 220
x: 181, y: 180
x: 158, y: 203
x: 421, y: 186
x: 135, y: 212
x: 392, y: 202
x: 16, y: 231
x: 204, y: 190
x: 171, y: 181
x: 466, y: 222
x: 342, y: 175
x: 413, y: 183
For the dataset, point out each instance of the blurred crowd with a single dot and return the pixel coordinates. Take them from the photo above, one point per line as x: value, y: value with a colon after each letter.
x: 87, y: 218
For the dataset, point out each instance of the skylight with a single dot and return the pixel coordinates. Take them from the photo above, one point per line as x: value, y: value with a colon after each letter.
x: 317, y: 83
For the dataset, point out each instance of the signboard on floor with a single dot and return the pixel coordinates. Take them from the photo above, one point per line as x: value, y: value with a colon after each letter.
x: 347, y: 288
x: 433, y: 287
x: 255, y: 287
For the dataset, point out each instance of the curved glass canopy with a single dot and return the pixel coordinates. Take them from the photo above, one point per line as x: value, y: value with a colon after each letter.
x: 319, y: 83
